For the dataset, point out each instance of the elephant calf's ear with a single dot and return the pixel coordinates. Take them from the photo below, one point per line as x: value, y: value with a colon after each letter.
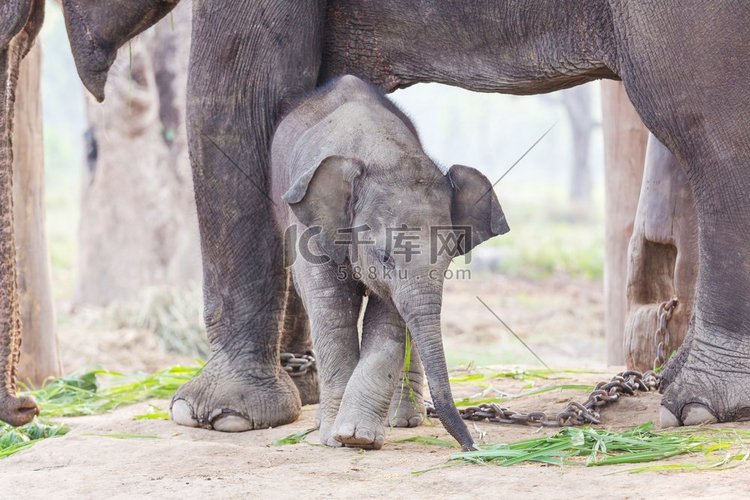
x: 323, y: 197
x: 475, y: 206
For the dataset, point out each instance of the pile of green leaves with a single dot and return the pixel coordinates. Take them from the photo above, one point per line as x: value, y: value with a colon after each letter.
x: 83, y: 394
x: 594, y: 447
x: 13, y: 439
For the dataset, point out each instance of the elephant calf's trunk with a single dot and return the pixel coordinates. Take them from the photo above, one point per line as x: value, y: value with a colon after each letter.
x: 425, y: 331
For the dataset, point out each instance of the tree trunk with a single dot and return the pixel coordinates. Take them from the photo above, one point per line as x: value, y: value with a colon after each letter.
x: 577, y: 102
x: 39, y: 354
x: 663, y: 257
x: 138, y: 220
x: 625, y: 139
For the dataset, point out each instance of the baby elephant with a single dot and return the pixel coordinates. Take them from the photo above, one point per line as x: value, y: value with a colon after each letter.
x: 374, y: 216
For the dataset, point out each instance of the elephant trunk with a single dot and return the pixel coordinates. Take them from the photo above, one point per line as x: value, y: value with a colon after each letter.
x: 13, y: 17
x: 421, y: 311
x: 14, y: 410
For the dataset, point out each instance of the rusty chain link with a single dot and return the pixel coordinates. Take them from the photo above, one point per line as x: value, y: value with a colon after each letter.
x: 662, y: 333
x: 625, y: 383
x: 297, y: 365
x: 574, y: 413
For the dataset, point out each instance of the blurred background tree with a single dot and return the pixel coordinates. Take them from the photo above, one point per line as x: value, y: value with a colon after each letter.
x: 578, y: 102
x: 138, y: 226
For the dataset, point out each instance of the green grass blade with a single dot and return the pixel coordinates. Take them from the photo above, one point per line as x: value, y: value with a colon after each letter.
x: 296, y: 438
x: 430, y: 440
x: 123, y: 435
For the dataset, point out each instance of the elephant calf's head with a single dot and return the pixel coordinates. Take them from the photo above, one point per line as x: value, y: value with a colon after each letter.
x: 397, y: 225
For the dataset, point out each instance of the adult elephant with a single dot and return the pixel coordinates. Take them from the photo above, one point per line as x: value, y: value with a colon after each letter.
x: 684, y: 66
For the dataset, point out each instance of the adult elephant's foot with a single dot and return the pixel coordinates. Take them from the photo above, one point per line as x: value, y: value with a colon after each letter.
x: 359, y: 430
x: 407, y: 408
x: 225, y: 399
x: 711, y: 385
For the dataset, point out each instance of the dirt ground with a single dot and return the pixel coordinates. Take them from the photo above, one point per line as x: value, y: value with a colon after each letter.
x: 176, y: 462
x: 560, y: 320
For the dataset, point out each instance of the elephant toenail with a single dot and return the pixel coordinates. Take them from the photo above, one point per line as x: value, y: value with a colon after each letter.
x: 667, y: 418
x: 182, y: 413
x: 333, y: 443
x: 232, y: 423
x: 365, y: 435
x: 697, y: 414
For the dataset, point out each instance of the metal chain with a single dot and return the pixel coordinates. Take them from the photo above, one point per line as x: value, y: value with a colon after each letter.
x: 662, y: 333
x: 625, y: 383
x: 297, y: 365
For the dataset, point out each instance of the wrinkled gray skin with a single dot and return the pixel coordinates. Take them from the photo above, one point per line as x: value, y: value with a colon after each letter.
x: 20, y: 22
x: 684, y: 65
x: 347, y: 158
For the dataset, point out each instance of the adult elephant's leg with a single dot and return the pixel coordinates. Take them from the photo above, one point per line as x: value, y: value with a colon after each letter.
x: 97, y: 29
x: 246, y: 58
x: 713, y: 382
x: 696, y: 105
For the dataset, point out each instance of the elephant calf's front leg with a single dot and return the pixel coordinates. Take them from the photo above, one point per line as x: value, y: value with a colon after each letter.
x: 334, y: 307
x: 371, y: 387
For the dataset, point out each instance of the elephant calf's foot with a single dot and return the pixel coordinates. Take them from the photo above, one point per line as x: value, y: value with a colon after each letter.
x: 710, y: 387
x: 407, y: 409
x: 231, y: 402
x: 359, y: 431
x: 327, y: 417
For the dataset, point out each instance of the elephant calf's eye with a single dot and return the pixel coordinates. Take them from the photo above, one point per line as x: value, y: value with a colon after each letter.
x: 384, y: 257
